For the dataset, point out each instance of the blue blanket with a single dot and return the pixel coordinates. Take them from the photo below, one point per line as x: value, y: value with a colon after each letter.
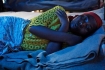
x: 74, y: 55
x: 88, y: 54
x: 11, y: 33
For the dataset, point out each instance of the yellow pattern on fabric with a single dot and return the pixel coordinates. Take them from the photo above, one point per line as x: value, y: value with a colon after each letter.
x: 48, y: 19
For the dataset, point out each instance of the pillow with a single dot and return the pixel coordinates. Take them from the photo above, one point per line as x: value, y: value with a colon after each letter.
x: 101, y: 30
x: 99, y: 12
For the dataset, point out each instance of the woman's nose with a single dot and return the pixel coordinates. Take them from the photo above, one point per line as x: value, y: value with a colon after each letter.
x: 83, y: 24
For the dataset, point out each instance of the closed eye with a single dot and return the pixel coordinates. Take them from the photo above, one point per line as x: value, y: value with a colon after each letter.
x: 86, y: 19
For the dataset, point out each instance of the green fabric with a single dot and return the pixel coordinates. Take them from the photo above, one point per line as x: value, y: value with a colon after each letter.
x: 48, y: 19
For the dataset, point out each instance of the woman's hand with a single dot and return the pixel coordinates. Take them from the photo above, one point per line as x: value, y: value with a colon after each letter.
x: 62, y: 17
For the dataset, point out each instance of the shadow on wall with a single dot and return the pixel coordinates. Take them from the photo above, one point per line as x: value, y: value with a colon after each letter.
x: 1, y: 5
x: 30, y: 5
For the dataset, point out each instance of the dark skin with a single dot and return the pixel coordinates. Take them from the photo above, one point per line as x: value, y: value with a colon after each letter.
x: 81, y: 26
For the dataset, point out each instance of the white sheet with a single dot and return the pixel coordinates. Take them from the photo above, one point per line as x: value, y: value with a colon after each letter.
x: 29, y: 15
x: 22, y: 14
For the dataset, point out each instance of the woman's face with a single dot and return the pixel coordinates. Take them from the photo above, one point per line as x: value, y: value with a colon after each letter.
x: 83, y: 25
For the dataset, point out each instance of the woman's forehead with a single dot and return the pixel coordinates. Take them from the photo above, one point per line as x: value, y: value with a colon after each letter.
x: 89, y: 17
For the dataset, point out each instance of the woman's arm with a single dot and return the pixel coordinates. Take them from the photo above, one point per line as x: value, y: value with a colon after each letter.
x: 56, y: 46
x: 56, y: 37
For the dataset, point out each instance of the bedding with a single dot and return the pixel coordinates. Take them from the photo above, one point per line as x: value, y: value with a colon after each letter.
x: 91, y: 58
x: 11, y: 33
x: 33, y: 14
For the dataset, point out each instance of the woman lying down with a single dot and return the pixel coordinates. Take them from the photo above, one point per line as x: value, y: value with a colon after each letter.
x: 52, y: 30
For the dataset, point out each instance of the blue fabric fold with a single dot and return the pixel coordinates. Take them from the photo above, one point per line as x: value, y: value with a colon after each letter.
x: 11, y: 33
x: 88, y: 55
x: 76, y: 55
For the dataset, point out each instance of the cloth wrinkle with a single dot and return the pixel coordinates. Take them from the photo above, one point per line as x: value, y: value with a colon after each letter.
x: 11, y: 33
x: 41, y: 60
x: 76, y: 56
